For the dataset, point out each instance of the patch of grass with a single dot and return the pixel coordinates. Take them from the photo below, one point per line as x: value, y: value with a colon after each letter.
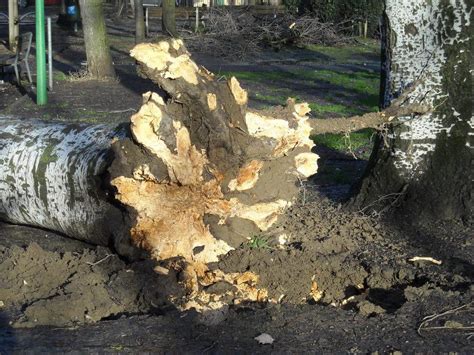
x: 361, y: 81
x: 346, y: 144
x: 259, y: 242
x: 60, y: 76
x: 271, y: 99
x: 331, y: 108
x: 348, y: 52
x: 257, y: 76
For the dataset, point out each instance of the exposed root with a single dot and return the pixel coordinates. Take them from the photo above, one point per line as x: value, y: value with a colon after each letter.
x: 424, y: 325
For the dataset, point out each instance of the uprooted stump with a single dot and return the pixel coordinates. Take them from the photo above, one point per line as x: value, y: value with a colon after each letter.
x: 193, y: 176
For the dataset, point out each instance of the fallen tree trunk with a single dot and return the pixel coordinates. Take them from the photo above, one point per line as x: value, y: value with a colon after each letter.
x: 54, y: 176
x: 192, y: 177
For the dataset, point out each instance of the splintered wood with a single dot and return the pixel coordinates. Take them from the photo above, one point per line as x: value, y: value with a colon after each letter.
x: 218, y: 160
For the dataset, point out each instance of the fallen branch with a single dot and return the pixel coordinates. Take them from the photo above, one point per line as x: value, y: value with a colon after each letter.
x: 426, y: 258
x: 426, y: 320
x: 374, y: 120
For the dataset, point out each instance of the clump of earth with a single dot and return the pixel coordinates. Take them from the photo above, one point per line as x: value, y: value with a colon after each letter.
x: 318, y: 254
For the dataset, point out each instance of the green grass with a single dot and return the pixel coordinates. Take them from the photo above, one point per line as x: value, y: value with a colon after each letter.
x: 363, y: 83
x: 259, y: 242
x: 347, y: 144
x: 339, y: 109
x: 336, y: 175
x: 271, y: 99
x: 59, y: 76
x: 347, y: 52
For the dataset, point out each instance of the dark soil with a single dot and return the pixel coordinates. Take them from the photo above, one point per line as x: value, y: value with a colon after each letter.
x: 62, y: 295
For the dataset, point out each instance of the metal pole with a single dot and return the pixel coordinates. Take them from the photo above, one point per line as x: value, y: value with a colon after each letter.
x: 196, y: 28
x: 50, y: 55
x: 41, y: 89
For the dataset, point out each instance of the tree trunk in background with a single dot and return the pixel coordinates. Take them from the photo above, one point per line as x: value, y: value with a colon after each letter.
x: 424, y: 164
x: 139, y: 22
x: 13, y: 24
x: 168, y: 21
x: 62, y: 7
x: 99, y: 60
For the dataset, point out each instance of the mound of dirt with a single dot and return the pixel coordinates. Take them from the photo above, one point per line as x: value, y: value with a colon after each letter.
x: 317, y: 254
x: 346, y: 259
x: 48, y: 279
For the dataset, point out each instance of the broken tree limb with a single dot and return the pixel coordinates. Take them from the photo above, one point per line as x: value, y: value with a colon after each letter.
x: 368, y: 120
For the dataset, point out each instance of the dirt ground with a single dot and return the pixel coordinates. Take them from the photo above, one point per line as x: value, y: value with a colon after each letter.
x: 62, y: 295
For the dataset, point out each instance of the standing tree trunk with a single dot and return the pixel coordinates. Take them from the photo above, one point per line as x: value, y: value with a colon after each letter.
x: 99, y: 60
x: 424, y: 164
x: 168, y: 21
x: 139, y: 22
x: 13, y: 24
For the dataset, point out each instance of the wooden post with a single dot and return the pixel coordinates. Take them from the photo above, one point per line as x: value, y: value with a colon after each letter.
x: 13, y: 24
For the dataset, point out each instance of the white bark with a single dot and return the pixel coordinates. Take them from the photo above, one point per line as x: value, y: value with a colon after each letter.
x: 50, y: 177
x: 421, y: 34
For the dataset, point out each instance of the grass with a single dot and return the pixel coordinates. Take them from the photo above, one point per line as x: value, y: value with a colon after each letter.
x: 348, y: 53
x: 363, y: 86
x: 321, y: 109
x: 259, y: 242
x: 351, y: 143
x: 59, y: 76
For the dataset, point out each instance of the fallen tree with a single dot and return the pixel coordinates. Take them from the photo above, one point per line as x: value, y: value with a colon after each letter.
x: 193, y: 176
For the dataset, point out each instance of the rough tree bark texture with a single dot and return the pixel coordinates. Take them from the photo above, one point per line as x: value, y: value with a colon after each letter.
x: 54, y: 176
x: 168, y: 21
x: 427, y: 159
x: 139, y: 22
x: 99, y: 60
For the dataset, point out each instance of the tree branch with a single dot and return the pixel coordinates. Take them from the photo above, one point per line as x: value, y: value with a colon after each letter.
x: 368, y: 120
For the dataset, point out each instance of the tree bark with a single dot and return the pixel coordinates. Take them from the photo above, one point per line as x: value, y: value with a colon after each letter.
x: 425, y: 163
x: 196, y: 176
x: 168, y: 20
x: 13, y: 24
x: 99, y: 59
x: 139, y: 22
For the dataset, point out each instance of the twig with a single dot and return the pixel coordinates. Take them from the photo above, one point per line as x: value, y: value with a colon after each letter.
x: 120, y: 111
x: 396, y: 195
x: 101, y: 260
x: 432, y: 317
x: 425, y: 258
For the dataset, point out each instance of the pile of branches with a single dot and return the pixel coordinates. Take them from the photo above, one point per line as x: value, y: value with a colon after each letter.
x: 239, y: 33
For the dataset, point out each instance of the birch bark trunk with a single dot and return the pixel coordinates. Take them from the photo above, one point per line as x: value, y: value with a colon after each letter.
x: 425, y: 163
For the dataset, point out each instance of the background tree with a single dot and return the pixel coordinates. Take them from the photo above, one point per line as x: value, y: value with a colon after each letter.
x: 99, y: 59
x: 139, y: 22
x: 425, y: 164
x: 168, y: 21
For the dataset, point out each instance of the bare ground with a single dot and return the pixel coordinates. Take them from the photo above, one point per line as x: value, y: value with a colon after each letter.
x: 62, y: 295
